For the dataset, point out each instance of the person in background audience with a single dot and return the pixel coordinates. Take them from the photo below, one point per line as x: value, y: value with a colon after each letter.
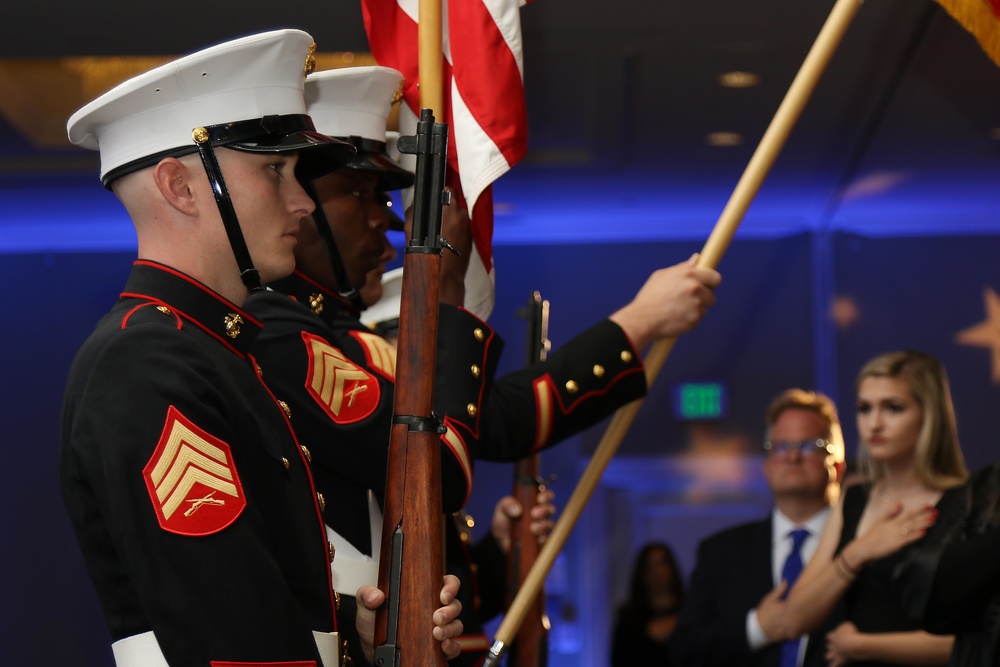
x: 736, y: 570
x: 647, y: 619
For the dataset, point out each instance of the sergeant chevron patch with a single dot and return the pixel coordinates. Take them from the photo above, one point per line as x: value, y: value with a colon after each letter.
x: 380, y: 354
x: 345, y: 391
x: 192, y: 479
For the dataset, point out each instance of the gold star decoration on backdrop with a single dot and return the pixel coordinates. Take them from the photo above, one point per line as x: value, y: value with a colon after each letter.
x: 986, y: 333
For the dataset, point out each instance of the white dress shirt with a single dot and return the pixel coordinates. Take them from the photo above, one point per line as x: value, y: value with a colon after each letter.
x: 781, y: 546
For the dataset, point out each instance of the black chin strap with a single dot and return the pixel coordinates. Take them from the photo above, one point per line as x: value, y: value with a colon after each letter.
x: 248, y: 274
x: 345, y: 289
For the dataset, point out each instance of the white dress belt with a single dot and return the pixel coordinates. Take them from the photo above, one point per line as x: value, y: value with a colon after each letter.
x: 143, y: 650
x: 350, y: 570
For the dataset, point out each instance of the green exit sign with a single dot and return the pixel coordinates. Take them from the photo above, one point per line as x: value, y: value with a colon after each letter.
x: 700, y: 400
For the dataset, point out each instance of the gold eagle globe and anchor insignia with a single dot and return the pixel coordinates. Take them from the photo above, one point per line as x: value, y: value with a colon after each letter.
x: 232, y: 323
x: 316, y: 302
x: 397, y: 94
x: 310, y: 64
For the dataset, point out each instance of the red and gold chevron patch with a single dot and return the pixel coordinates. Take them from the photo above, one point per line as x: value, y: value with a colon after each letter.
x: 545, y: 401
x: 345, y: 391
x: 192, y: 479
x: 379, y: 353
x: 460, y: 451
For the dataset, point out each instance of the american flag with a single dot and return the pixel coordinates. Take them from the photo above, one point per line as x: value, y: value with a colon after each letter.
x: 484, y: 104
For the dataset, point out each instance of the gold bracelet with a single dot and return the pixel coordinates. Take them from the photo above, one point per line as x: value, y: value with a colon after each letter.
x: 843, y: 569
x: 853, y: 571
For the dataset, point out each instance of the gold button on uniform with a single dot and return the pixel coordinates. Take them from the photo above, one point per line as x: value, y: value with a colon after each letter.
x: 336, y: 600
x: 478, y: 333
x: 475, y: 370
x: 285, y: 461
x: 164, y: 310
x: 288, y: 410
x: 322, y: 502
x: 471, y: 409
x: 308, y: 454
x: 572, y: 387
x: 332, y: 549
x: 626, y: 356
x: 598, y: 371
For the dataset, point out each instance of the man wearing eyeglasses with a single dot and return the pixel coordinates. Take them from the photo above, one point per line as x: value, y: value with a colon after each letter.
x: 740, y: 574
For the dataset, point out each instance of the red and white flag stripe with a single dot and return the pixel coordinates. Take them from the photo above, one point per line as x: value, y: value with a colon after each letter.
x: 484, y: 103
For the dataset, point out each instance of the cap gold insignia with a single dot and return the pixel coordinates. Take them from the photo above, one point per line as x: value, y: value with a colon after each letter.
x: 233, y: 322
x: 397, y: 94
x: 310, y: 65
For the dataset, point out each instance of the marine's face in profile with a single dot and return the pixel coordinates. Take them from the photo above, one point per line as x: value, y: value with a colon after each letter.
x: 270, y: 204
x: 353, y: 207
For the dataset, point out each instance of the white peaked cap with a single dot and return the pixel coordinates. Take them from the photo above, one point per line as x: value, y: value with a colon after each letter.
x: 155, y: 112
x: 392, y: 150
x: 353, y: 101
x: 386, y: 308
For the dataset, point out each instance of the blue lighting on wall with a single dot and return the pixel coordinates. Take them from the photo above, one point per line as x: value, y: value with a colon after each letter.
x: 540, y: 206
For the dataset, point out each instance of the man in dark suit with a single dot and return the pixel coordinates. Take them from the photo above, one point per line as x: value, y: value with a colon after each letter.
x: 743, y: 572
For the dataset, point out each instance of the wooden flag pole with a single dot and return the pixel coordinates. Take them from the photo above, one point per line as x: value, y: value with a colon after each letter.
x: 430, y: 58
x: 746, y: 189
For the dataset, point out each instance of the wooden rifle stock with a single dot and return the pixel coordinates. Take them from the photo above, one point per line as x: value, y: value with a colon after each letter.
x: 411, y: 563
x: 530, y: 648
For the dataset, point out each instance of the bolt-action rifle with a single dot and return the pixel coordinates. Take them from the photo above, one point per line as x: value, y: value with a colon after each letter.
x: 411, y: 564
x: 530, y: 648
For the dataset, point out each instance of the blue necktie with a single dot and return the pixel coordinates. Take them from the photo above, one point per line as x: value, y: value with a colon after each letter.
x: 790, y: 572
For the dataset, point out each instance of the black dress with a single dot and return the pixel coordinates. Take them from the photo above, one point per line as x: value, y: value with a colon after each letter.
x: 952, y: 585
x: 873, y: 602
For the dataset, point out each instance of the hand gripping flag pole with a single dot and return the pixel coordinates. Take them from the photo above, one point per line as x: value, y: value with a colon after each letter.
x: 746, y: 189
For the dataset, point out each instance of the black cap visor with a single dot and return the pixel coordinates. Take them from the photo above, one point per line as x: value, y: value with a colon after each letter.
x: 318, y: 153
x: 390, y: 175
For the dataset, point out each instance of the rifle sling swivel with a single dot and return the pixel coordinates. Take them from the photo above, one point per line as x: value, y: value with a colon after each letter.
x: 416, y: 423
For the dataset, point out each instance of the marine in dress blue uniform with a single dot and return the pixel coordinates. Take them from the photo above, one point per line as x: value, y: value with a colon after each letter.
x: 191, y: 498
